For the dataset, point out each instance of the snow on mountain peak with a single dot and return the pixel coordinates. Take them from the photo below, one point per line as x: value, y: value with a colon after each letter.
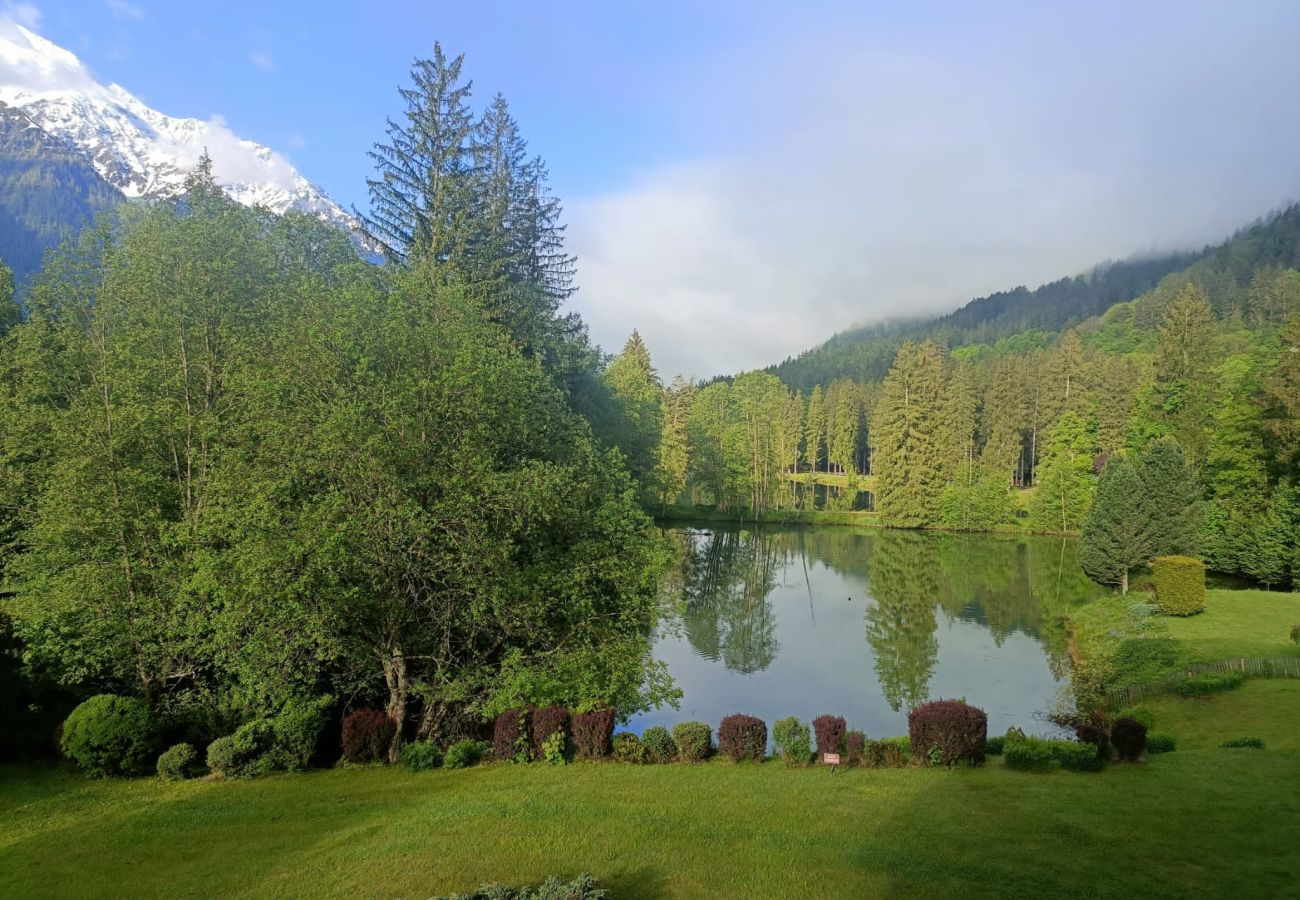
x: 137, y: 149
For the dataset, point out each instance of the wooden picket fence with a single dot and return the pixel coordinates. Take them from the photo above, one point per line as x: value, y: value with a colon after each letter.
x: 1280, y: 667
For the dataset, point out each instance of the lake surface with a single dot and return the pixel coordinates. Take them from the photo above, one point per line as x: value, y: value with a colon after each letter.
x: 775, y: 622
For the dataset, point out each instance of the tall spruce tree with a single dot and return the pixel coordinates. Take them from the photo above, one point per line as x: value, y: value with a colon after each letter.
x: 637, y: 391
x: 1065, y: 479
x: 907, y: 454
x: 1185, y: 351
x: 672, y: 457
x: 1171, y: 497
x: 1116, y: 532
x: 815, y: 430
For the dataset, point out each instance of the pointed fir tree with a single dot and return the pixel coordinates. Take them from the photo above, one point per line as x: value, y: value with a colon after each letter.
x: 906, y: 455
x: 1065, y: 478
x: 672, y: 459
x: 10, y: 314
x: 636, y: 390
x: 1171, y: 497
x: 1116, y: 532
x: 815, y: 429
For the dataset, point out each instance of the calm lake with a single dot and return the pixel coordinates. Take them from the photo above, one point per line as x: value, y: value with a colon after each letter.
x: 803, y: 621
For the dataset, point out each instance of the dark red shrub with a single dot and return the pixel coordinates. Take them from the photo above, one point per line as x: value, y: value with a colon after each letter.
x: 544, y: 721
x: 944, y: 732
x: 367, y: 734
x: 830, y: 734
x: 742, y: 737
x: 1129, y: 738
x: 593, y: 733
x: 510, y: 735
x: 855, y: 748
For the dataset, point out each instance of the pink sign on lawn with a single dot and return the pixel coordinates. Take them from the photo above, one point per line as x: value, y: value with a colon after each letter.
x: 831, y: 759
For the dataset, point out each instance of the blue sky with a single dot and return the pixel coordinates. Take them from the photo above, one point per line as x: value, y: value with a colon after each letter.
x: 744, y: 179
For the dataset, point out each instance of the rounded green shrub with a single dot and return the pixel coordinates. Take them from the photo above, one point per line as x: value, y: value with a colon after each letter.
x: 221, y: 756
x: 177, y: 762
x: 629, y: 749
x: 694, y: 741
x: 463, y: 754
x: 1076, y: 756
x: 659, y: 744
x: 793, y: 741
x: 1028, y: 754
x: 297, y: 729
x: 1158, y: 742
x: 1180, y: 585
x: 110, y: 735
x: 1295, y: 634
x: 420, y: 756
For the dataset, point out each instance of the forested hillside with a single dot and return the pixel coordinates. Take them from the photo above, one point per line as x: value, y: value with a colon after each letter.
x: 47, y: 191
x: 994, y: 417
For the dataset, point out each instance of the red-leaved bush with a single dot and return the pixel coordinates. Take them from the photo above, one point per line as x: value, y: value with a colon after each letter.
x: 855, y: 748
x: 593, y: 732
x: 510, y: 734
x: 742, y: 737
x: 830, y: 734
x: 945, y: 732
x: 367, y: 733
x: 544, y: 722
x: 1129, y: 738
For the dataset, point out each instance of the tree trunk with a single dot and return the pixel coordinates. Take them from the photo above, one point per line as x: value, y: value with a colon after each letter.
x: 1123, y: 583
x: 394, y: 661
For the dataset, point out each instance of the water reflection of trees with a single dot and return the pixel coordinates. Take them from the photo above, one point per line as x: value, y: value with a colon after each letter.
x: 721, y: 584
x: 901, y: 623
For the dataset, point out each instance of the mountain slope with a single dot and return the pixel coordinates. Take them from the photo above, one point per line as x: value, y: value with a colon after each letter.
x: 138, y: 150
x: 47, y: 188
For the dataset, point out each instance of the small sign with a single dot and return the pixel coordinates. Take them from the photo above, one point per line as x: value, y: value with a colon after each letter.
x: 831, y: 759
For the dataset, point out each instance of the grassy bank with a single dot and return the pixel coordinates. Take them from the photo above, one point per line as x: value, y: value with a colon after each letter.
x: 1239, y: 624
x: 1206, y: 823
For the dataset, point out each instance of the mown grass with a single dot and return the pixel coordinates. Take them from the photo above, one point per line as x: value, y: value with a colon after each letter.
x: 1262, y: 708
x: 1239, y: 624
x: 1205, y: 823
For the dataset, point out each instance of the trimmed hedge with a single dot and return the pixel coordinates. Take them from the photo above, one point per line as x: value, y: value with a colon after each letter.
x: 1129, y: 738
x: 855, y: 748
x: 629, y: 749
x: 367, y: 735
x: 659, y: 744
x: 593, y: 732
x: 885, y: 754
x: 830, y: 732
x: 694, y: 741
x: 1210, y: 683
x: 1028, y: 754
x: 742, y: 737
x: 544, y: 721
x: 947, y: 732
x: 510, y: 738
x: 793, y: 741
x: 110, y: 735
x: 466, y: 753
x: 1180, y: 585
x: 177, y: 762
x: 420, y: 756
x: 1158, y: 742
x: 1077, y: 757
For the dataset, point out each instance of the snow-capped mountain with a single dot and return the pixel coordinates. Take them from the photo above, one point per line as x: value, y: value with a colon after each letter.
x: 138, y: 150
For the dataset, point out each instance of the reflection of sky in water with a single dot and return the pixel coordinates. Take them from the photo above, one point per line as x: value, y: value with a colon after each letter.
x: 823, y: 662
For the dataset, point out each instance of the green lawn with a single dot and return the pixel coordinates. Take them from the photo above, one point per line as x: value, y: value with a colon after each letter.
x: 1240, y: 623
x: 1205, y: 823
x: 1263, y: 708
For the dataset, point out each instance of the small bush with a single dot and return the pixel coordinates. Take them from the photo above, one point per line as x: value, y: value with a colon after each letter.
x: 221, y: 756
x: 1295, y: 634
x: 629, y: 749
x: 420, y: 756
x: 947, y: 732
x: 993, y: 746
x: 793, y: 741
x: 892, y: 753
x: 584, y: 887
x: 1129, y: 738
x: 1180, y: 585
x: 742, y: 737
x: 830, y: 732
x: 1076, y: 756
x: 1138, y: 713
x: 298, y: 728
x: 544, y: 721
x: 1251, y: 742
x: 510, y: 740
x: 659, y: 744
x: 553, y: 749
x: 466, y: 753
x: 855, y: 748
x: 593, y: 732
x: 254, y: 749
x: 177, y: 762
x: 694, y: 741
x: 1028, y: 754
x: 367, y: 734
x: 1210, y: 683
x: 1158, y: 742
x: 110, y: 735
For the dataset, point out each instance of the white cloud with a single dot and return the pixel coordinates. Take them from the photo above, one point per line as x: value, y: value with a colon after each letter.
x: 24, y: 14
x: 261, y: 61
x: 842, y: 182
x: 121, y: 9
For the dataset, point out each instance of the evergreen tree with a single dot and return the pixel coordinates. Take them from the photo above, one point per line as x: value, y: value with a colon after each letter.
x: 1282, y: 397
x: 815, y: 430
x: 1066, y: 481
x: 1171, y: 497
x: 673, y: 453
x: 1184, y: 364
x: 1272, y: 539
x: 10, y: 314
x: 637, y: 391
x: 1116, y: 532
x: 906, y: 453
x: 958, y: 423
